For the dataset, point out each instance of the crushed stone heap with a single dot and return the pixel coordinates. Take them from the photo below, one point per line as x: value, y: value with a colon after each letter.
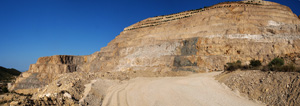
x: 196, y: 40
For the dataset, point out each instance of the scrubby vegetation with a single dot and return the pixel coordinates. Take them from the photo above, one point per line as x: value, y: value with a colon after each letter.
x: 277, y: 64
x: 255, y: 63
x: 233, y: 66
x: 6, y: 76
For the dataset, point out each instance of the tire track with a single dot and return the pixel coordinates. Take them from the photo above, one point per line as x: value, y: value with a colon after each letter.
x: 196, y: 90
x: 113, y: 94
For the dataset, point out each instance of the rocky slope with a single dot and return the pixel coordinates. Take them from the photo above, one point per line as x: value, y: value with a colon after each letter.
x: 8, y: 74
x: 199, y: 40
x: 272, y: 88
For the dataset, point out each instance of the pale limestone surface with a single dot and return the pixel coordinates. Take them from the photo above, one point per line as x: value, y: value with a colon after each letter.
x: 196, y: 90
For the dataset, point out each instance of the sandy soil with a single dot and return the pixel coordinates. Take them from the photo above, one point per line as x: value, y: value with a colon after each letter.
x: 194, y: 90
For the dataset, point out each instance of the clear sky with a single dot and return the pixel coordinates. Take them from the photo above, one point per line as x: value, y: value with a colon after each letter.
x: 30, y: 29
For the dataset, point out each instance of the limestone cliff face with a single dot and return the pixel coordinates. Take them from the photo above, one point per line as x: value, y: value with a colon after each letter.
x: 197, y: 40
x: 49, y: 68
x: 206, y: 39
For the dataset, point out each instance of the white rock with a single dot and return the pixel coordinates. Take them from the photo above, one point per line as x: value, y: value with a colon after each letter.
x: 67, y: 95
x: 48, y: 94
x: 273, y: 23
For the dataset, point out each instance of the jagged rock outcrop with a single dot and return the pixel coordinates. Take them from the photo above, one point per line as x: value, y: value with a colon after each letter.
x: 47, y: 69
x: 197, y: 40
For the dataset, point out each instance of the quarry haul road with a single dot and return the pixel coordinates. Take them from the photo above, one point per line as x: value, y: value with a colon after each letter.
x: 194, y: 90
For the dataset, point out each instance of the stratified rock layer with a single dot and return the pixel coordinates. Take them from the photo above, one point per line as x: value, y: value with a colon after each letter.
x: 197, y: 40
x: 205, y: 39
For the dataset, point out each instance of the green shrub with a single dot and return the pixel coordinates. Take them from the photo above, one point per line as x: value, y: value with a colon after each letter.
x: 277, y: 62
x: 233, y: 66
x: 255, y: 63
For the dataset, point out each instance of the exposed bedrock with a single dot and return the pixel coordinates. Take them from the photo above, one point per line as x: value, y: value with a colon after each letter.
x: 197, y: 40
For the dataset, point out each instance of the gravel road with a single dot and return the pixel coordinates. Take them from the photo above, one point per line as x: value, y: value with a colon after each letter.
x: 194, y: 90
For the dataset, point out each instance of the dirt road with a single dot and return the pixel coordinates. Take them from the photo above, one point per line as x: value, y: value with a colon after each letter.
x: 195, y: 90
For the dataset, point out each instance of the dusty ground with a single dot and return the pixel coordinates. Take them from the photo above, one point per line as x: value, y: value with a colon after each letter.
x: 79, y: 88
x: 157, y: 89
x: 127, y: 89
x: 272, y: 88
x: 194, y: 90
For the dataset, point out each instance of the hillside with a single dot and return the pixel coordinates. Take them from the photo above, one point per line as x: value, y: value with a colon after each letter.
x: 196, y: 41
x: 8, y: 74
x: 200, y: 40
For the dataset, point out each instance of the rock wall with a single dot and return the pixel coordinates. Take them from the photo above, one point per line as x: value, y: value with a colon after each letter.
x: 197, y: 40
x: 56, y: 64
x: 47, y: 69
x: 206, y: 39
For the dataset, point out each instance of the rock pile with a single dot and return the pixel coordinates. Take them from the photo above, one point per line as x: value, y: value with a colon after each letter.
x: 272, y: 88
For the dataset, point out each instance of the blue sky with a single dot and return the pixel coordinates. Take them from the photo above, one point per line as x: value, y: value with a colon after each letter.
x: 30, y: 29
